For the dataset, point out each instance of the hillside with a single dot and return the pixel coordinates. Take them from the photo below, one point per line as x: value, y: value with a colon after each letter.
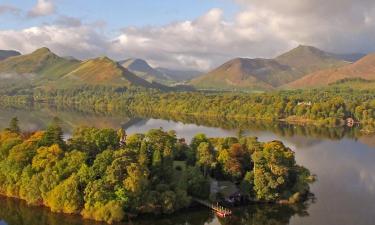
x: 348, y: 57
x: 242, y: 73
x: 179, y: 75
x: 43, y: 68
x: 37, y: 65
x: 363, y: 68
x: 354, y: 83
x: 4, y: 54
x: 308, y: 59
x: 142, y: 69
x: 104, y: 71
x: 267, y: 74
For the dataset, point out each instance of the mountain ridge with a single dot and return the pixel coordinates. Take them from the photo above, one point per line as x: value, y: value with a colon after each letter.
x: 142, y: 69
x: 4, y: 54
x: 363, y: 68
x: 267, y: 74
x: 43, y: 68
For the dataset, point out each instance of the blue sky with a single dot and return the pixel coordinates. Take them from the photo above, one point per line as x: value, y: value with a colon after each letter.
x: 192, y: 34
x: 117, y: 14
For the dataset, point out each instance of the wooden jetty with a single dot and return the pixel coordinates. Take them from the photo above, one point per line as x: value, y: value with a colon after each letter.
x: 219, y: 210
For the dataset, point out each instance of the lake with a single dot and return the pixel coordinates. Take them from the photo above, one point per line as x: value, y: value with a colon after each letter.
x: 342, y: 158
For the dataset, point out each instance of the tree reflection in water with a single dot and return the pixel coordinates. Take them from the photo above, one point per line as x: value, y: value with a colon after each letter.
x: 15, y: 212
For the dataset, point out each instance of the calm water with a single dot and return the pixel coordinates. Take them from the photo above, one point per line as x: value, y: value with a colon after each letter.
x: 342, y: 158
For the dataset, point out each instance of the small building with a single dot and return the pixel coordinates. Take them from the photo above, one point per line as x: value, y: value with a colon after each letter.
x: 304, y: 103
x: 350, y: 122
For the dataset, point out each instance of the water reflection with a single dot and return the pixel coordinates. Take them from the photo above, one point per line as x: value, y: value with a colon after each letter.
x: 14, y: 212
x: 187, y: 126
x: 342, y: 158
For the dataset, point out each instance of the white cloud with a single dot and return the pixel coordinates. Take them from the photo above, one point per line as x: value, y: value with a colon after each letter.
x: 80, y: 41
x: 262, y: 28
x: 42, y: 8
x: 334, y: 25
x: 201, y: 43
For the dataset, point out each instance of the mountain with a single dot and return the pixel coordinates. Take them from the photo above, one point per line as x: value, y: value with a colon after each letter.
x: 307, y: 59
x: 142, y: 69
x: 103, y: 70
x: 4, y: 54
x: 244, y: 73
x: 348, y: 57
x: 363, y: 68
x: 39, y: 64
x: 43, y: 68
x: 354, y: 83
x: 179, y: 75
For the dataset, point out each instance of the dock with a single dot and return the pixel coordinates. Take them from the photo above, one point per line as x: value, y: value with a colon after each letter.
x: 219, y: 210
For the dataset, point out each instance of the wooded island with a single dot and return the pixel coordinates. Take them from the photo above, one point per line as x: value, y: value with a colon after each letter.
x: 105, y: 175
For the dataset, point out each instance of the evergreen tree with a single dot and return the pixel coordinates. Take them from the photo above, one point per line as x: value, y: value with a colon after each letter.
x: 13, y: 126
x: 53, y: 135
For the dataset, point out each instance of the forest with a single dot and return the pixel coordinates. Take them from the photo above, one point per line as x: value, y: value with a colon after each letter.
x: 107, y: 175
x: 330, y: 106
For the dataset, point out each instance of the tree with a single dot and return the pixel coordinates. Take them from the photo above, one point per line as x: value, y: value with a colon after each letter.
x: 272, y: 167
x: 238, y: 161
x: 197, y: 140
x: 137, y: 179
x: 205, y: 156
x: 93, y: 140
x: 66, y: 197
x: 13, y: 126
x: 53, y: 135
x: 198, y: 185
x: 46, y: 157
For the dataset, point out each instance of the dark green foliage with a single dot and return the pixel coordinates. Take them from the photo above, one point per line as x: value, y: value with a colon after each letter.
x: 94, y: 141
x: 53, y: 135
x: 13, y: 126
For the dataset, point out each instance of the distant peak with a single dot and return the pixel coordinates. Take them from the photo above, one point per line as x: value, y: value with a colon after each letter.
x: 104, y: 59
x: 42, y: 50
x: 305, y: 46
x: 140, y: 60
x: 136, y: 61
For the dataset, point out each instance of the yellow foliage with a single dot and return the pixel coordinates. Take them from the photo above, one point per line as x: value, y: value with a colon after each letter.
x: 46, y: 156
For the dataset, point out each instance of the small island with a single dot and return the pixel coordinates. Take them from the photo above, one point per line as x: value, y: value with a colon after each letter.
x: 106, y: 175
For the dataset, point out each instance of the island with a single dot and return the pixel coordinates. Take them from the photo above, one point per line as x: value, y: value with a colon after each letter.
x: 107, y: 175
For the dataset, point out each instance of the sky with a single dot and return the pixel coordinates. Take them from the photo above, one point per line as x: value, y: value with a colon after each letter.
x: 186, y: 34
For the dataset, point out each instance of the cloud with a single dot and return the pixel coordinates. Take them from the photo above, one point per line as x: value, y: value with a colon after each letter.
x: 335, y: 25
x: 202, y: 43
x: 42, y: 8
x: 261, y: 28
x: 4, y: 9
x: 79, y: 41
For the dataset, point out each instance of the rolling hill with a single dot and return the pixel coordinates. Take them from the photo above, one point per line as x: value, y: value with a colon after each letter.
x: 162, y: 75
x: 37, y: 65
x: 43, y: 68
x: 363, y: 68
x: 265, y: 74
x: 307, y: 59
x: 179, y: 75
x: 104, y: 71
x: 142, y: 69
x: 243, y: 73
x: 4, y: 54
